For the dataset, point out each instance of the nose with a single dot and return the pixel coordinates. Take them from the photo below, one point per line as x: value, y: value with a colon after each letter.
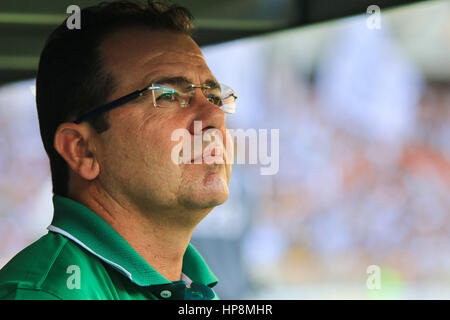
x: 210, y: 115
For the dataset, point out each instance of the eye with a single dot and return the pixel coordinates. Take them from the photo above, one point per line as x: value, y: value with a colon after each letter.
x: 168, y: 96
x: 214, y: 99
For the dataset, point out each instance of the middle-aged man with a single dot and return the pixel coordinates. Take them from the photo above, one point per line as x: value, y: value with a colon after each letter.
x: 109, y: 97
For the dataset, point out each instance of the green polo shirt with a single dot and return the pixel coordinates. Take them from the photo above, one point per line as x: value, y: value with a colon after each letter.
x: 83, y: 257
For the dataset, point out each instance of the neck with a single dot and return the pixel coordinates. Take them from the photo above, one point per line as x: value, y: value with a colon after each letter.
x: 158, y: 237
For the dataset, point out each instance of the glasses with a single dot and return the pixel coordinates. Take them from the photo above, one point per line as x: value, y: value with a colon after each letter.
x: 167, y: 97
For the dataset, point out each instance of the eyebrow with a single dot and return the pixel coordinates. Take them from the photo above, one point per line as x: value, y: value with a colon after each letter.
x: 182, y: 81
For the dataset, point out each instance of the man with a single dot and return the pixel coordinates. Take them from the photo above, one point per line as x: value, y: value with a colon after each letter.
x: 124, y: 210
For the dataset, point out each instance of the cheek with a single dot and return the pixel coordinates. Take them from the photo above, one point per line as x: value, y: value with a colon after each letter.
x: 155, y: 151
x: 138, y: 163
x: 143, y: 144
x: 156, y: 147
x: 156, y: 135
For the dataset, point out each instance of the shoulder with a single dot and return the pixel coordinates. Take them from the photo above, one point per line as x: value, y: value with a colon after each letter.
x: 54, y: 267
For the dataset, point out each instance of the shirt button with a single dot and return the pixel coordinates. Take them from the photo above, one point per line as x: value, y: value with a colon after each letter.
x: 166, y: 294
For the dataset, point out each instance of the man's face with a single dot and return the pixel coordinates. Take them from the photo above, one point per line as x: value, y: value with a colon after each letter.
x: 135, y: 152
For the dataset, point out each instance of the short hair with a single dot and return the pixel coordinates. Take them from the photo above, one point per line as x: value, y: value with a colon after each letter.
x: 71, y: 78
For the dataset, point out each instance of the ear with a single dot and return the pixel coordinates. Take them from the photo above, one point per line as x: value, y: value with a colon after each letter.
x: 74, y: 142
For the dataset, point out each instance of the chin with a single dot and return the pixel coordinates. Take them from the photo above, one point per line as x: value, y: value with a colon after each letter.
x: 212, y: 192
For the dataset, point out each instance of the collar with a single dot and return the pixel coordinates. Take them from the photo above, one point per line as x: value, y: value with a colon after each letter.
x: 78, y: 223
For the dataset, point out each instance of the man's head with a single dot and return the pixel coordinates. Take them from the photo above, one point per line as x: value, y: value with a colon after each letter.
x: 126, y: 152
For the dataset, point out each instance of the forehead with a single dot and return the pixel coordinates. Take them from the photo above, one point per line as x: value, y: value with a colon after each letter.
x: 136, y: 56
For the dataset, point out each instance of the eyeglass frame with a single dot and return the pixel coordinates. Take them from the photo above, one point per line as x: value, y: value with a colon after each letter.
x: 132, y: 96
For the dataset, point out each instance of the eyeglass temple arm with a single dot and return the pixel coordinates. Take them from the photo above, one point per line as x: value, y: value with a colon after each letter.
x: 113, y: 104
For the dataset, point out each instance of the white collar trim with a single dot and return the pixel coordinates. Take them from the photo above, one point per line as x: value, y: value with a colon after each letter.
x: 52, y: 228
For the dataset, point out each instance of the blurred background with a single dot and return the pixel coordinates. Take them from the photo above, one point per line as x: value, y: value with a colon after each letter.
x: 364, y: 151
